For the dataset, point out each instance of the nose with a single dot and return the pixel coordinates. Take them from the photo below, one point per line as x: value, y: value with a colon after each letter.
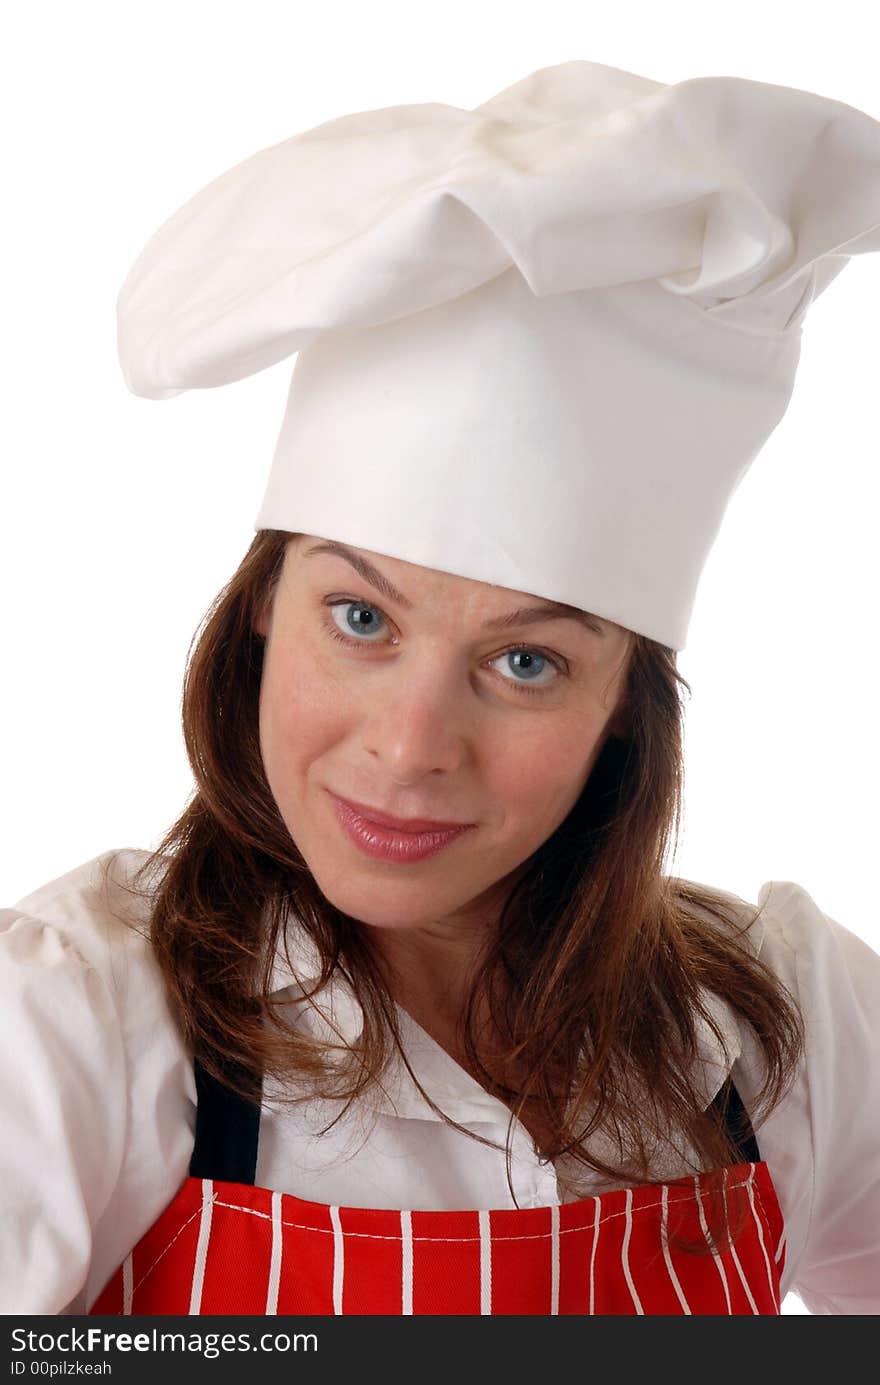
x: 419, y: 727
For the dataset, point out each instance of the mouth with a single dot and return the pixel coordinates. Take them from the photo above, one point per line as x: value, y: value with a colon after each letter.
x: 401, y: 824
x: 395, y: 839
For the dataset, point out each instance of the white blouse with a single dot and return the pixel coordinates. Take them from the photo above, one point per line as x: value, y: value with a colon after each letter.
x: 97, y: 1095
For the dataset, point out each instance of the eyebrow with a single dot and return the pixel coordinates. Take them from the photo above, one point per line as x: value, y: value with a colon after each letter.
x: 523, y: 615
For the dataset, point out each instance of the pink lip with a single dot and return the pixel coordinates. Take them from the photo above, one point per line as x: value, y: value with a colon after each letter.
x: 390, y: 843
x: 400, y: 824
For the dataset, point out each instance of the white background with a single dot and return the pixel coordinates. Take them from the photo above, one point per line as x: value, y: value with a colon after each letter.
x: 122, y: 517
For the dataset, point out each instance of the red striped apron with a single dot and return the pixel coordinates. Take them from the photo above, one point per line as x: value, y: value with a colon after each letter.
x: 225, y: 1246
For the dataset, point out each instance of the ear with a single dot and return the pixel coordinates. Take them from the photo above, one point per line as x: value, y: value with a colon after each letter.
x: 263, y: 619
x: 262, y: 622
x: 620, y: 725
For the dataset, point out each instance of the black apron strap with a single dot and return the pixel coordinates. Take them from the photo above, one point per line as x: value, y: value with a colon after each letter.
x: 739, y: 1126
x: 227, y: 1132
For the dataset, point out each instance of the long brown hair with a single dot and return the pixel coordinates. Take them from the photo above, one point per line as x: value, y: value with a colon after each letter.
x: 592, y: 977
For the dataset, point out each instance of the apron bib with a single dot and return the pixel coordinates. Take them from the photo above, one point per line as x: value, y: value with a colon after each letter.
x: 226, y: 1246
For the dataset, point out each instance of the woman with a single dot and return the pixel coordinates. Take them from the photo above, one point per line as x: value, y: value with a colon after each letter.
x: 404, y: 1014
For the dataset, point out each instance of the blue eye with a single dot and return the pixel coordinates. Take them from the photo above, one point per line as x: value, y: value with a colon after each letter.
x: 368, y: 617
x: 365, y: 620
x: 529, y: 656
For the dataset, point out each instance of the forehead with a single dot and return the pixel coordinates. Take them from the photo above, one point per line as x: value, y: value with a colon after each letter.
x: 375, y: 568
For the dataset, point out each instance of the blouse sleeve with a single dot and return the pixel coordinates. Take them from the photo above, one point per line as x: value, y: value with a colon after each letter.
x: 838, y: 983
x: 62, y: 1113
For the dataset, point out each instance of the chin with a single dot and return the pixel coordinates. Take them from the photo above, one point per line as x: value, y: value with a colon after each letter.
x: 375, y: 905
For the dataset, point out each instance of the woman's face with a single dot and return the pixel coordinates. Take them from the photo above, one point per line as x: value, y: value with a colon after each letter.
x: 412, y: 705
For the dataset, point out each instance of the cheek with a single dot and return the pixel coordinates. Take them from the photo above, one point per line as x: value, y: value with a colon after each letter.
x: 299, y: 703
x: 540, y: 774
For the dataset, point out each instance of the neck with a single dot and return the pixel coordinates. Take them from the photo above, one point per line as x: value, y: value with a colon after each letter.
x: 429, y: 971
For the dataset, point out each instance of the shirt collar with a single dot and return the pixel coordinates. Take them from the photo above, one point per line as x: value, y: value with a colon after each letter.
x: 334, y: 1013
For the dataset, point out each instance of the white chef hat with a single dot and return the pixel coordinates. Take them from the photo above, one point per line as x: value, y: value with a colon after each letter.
x: 540, y: 341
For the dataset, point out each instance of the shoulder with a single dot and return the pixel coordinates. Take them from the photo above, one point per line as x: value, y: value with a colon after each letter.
x: 98, y: 1091
x: 823, y: 1142
x: 833, y: 975
x: 82, y: 940
x: 85, y: 930
x: 828, y: 962
x: 791, y: 933
x: 91, y: 908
